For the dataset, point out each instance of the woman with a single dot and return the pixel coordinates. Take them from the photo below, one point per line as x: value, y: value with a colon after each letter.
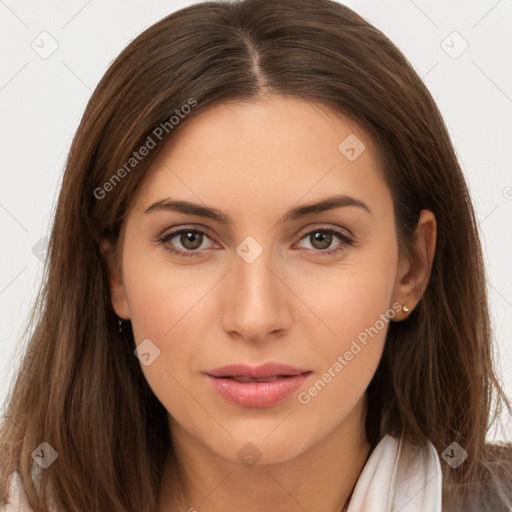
x: 265, y: 285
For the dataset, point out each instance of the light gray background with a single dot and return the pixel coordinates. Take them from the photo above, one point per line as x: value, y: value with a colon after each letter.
x: 42, y: 100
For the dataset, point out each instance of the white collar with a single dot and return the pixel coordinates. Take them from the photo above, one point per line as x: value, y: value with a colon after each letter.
x: 399, y: 477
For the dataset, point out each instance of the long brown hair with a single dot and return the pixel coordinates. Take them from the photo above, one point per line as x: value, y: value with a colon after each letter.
x: 80, y: 388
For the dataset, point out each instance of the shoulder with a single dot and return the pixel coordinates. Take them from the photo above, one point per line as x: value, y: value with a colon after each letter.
x: 492, y: 492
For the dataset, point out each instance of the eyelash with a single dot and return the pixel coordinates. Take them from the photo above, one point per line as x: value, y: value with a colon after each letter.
x: 344, y: 246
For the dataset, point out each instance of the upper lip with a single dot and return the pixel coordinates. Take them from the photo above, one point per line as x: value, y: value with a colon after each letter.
x: 255, y: 372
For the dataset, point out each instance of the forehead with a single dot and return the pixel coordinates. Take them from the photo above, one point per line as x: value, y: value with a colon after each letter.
x: 266, y: 152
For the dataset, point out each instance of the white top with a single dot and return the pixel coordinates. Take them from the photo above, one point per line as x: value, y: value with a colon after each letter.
x: 399, y: 477
x: 396, y: 477
x: 17, y: 500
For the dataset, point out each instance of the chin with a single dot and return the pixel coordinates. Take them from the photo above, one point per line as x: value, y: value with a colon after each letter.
x: 263, y: 448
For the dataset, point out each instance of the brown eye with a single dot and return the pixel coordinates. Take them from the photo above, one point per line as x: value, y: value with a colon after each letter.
x: 321, y: 242
x: 321, y: 239
x: 191, y: 240
x: 185, y: 242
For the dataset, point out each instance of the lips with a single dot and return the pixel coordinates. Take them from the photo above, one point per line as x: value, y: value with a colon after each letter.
x: 264, y: 371
x: 260, y: 386
x: 251, y: 379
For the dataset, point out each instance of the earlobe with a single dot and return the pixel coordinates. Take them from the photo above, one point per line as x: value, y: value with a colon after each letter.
x: 116, y: 285
x: 414, y: 269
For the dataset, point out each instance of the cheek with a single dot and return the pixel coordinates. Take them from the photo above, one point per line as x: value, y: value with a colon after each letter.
x: 354, y: 309
x: 346, y: 300
x: 173, y: 305
x: 162, y: 296
x: 167, y: 308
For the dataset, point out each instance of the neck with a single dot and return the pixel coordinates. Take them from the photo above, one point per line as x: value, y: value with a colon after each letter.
x: 320, y: 478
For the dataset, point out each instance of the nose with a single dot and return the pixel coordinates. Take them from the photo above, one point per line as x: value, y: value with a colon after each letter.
x: 257, y: 300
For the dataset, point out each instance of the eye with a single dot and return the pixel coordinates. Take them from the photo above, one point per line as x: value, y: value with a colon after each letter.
x: 321, y: 239
x: 192, y: 241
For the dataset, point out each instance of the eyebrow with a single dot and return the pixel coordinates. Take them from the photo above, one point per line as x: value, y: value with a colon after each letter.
x: 329, y: 203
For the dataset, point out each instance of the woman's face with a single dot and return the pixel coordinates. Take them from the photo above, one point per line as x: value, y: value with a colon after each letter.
x: 313, y: 290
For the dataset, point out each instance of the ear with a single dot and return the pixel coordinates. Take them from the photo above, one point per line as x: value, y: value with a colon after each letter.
x: 414, y: 269
x: 117, y: 290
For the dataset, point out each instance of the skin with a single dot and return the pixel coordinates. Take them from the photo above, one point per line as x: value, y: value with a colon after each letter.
x: 254, y: 161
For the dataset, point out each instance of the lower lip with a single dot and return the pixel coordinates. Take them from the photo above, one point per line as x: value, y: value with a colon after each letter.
x: 257, y: 394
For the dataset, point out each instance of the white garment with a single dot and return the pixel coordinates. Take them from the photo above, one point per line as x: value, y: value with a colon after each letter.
x: 17, y: 500
x: 397, y: 477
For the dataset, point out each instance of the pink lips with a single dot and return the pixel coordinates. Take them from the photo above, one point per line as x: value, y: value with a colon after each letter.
x: 256, y: 386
